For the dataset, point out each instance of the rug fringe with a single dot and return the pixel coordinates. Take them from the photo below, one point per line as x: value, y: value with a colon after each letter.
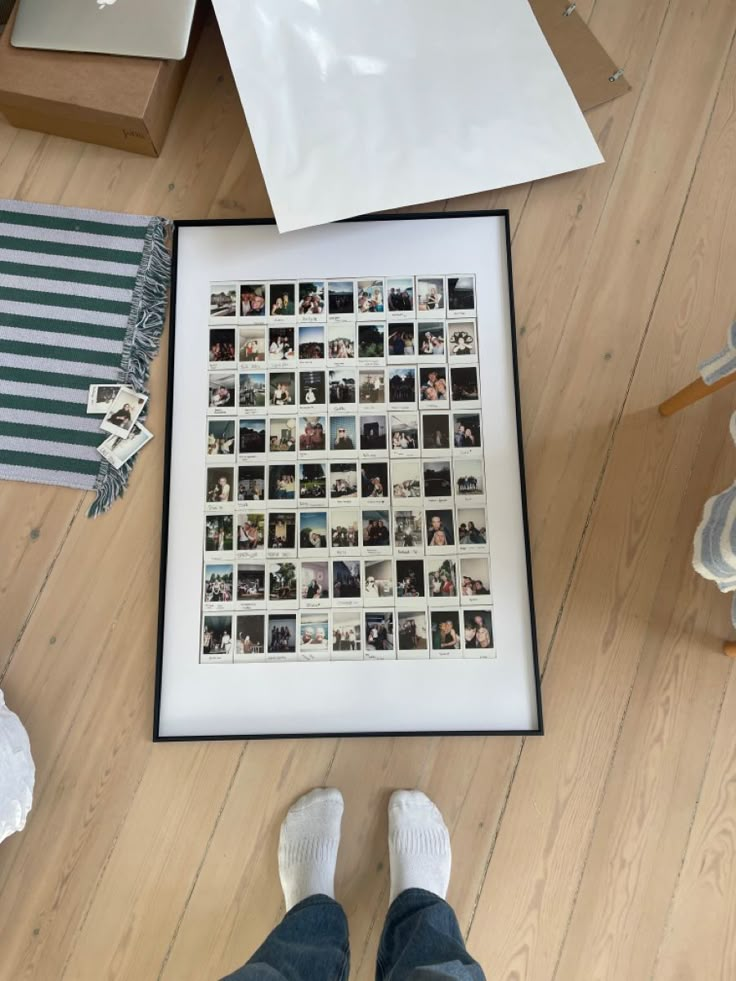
x: 142, y: 341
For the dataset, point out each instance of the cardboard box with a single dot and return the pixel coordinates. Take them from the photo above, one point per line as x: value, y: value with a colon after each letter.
x: 116, y: 101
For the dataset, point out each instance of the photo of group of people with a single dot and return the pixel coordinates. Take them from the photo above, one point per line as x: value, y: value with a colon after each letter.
x: 345, y: 492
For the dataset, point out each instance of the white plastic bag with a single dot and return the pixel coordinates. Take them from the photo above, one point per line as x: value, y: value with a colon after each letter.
x: 17, y: 772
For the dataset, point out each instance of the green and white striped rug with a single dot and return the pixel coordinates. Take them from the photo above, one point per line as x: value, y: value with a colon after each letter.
x: 82, y: 301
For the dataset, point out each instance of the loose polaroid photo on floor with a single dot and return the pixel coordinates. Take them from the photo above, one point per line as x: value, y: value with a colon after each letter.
x: 251, y: 586
x: 475, y: 580
x: 252, y: 300
x: 217, y: 639
x: 442, y: 583
x: 118, y: 450
x: 411, y: 632
x: 371, y: 299
x: 446, y: 638
x: 222, y: 399
x: 123, y: 412
x: 347, y: 580
x: 100, y: 398
x: 223, y: 301
x: 223, y: 350
x: 314, y: 636
x: 460, y: 296
x: 250, y: 637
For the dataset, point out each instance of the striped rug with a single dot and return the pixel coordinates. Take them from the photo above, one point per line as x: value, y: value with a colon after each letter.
x: 82, y: 301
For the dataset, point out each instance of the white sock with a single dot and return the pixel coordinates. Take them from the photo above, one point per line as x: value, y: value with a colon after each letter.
x: 418, y: 844
x: 308, y: 844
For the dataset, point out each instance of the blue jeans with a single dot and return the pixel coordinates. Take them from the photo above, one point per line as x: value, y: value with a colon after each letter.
x: 421, y: 941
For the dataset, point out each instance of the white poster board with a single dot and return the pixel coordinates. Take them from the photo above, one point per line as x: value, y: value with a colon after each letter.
x: 345, y: 547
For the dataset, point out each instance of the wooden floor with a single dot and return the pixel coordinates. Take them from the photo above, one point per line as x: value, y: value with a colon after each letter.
x: 606, y: 849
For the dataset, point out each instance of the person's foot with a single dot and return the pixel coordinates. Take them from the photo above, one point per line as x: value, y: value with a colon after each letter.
x: 310, y: 836
x: 418, y: 844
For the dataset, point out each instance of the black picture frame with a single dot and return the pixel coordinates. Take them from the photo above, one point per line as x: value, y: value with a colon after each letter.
x: 449, y: 215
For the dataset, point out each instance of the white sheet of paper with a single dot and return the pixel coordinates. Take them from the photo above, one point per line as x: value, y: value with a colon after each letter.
x: 359, y: 107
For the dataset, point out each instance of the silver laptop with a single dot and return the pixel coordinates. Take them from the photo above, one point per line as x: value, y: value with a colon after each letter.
x: 145, y: 28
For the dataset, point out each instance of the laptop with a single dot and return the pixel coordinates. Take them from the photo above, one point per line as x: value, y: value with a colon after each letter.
x: 143, y: 28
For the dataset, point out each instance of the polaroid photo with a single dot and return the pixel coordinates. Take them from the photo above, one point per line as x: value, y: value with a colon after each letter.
x: 252, y: 392
x: 374, y: 482
x: 251, y: 346
x: 252, y: 300
x: 217, y: 587
x: 251, y: 484
x: 314, y: 534
x: 465, y: 386
x: 223, y: 350
x: 282, y: 389
x: 250, y: 533
x: 100, y: 398
x: 342, y: 389
x: 379, y: 635
x: 434, y: 389
x: 312, y: 483
x: 378, y: 582
x: 252, y: 434
x: 371, y: 299
x: 404, y: 434
x: 372, y: 388
x: 408, y: 531
x: 250, y: 638
x: 314, y: 636
x: 218, y: 535
x: 472, y: 531
x: 311, y: 345
x: 375, y: 531
x: 431, y: 342
x: 223, y: 301
x: 440, y: 530
x: 312, y: 431
x: 220, y: 489
x: 469, y: 480
x: 442, y: 581
x: 344, y: 532
x: 437, y: 482
x: 402, y: 387
x: 283, y: 582
x: 221, y: 446
x: 467, y: 434
x: 312, y: 391
x: 373, y: 436
x: 217, y: 639
x: 282, y: 301
x: 406, y: 483
x: 222, y: 400
x: 478, y: 632
x: 343, y: 484
x: 462, y: 341
x: 341, y: 343
x: 311, y: 308
x: 343, y: 435
x: 411, y: 587
x: 401, y: 344
x: 341, y: 298
x: 400, y: 298
x: 281, y: 483
x: 347, y: 635
x: 251, y: 586
x: 411, y: 631
x: 347, y: 579
x: 281, y: 534
x: 123, y: 412
x: 446, y: 638
x: 282, y: 436
x: 314, y: 583
x: 435, y: 432
x: 118, y: 450
x: 281, y: 637
x: 475, y: 580
x: 460, y: 296
x: 281, y: 345
x: 431, y: 298
x: 372, y: 344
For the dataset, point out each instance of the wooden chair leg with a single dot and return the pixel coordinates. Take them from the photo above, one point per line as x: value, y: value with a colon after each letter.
x: 693, y: 393
x: 729, y: 648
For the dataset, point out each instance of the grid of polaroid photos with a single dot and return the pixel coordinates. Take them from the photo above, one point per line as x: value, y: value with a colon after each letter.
x: 345, y: 501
